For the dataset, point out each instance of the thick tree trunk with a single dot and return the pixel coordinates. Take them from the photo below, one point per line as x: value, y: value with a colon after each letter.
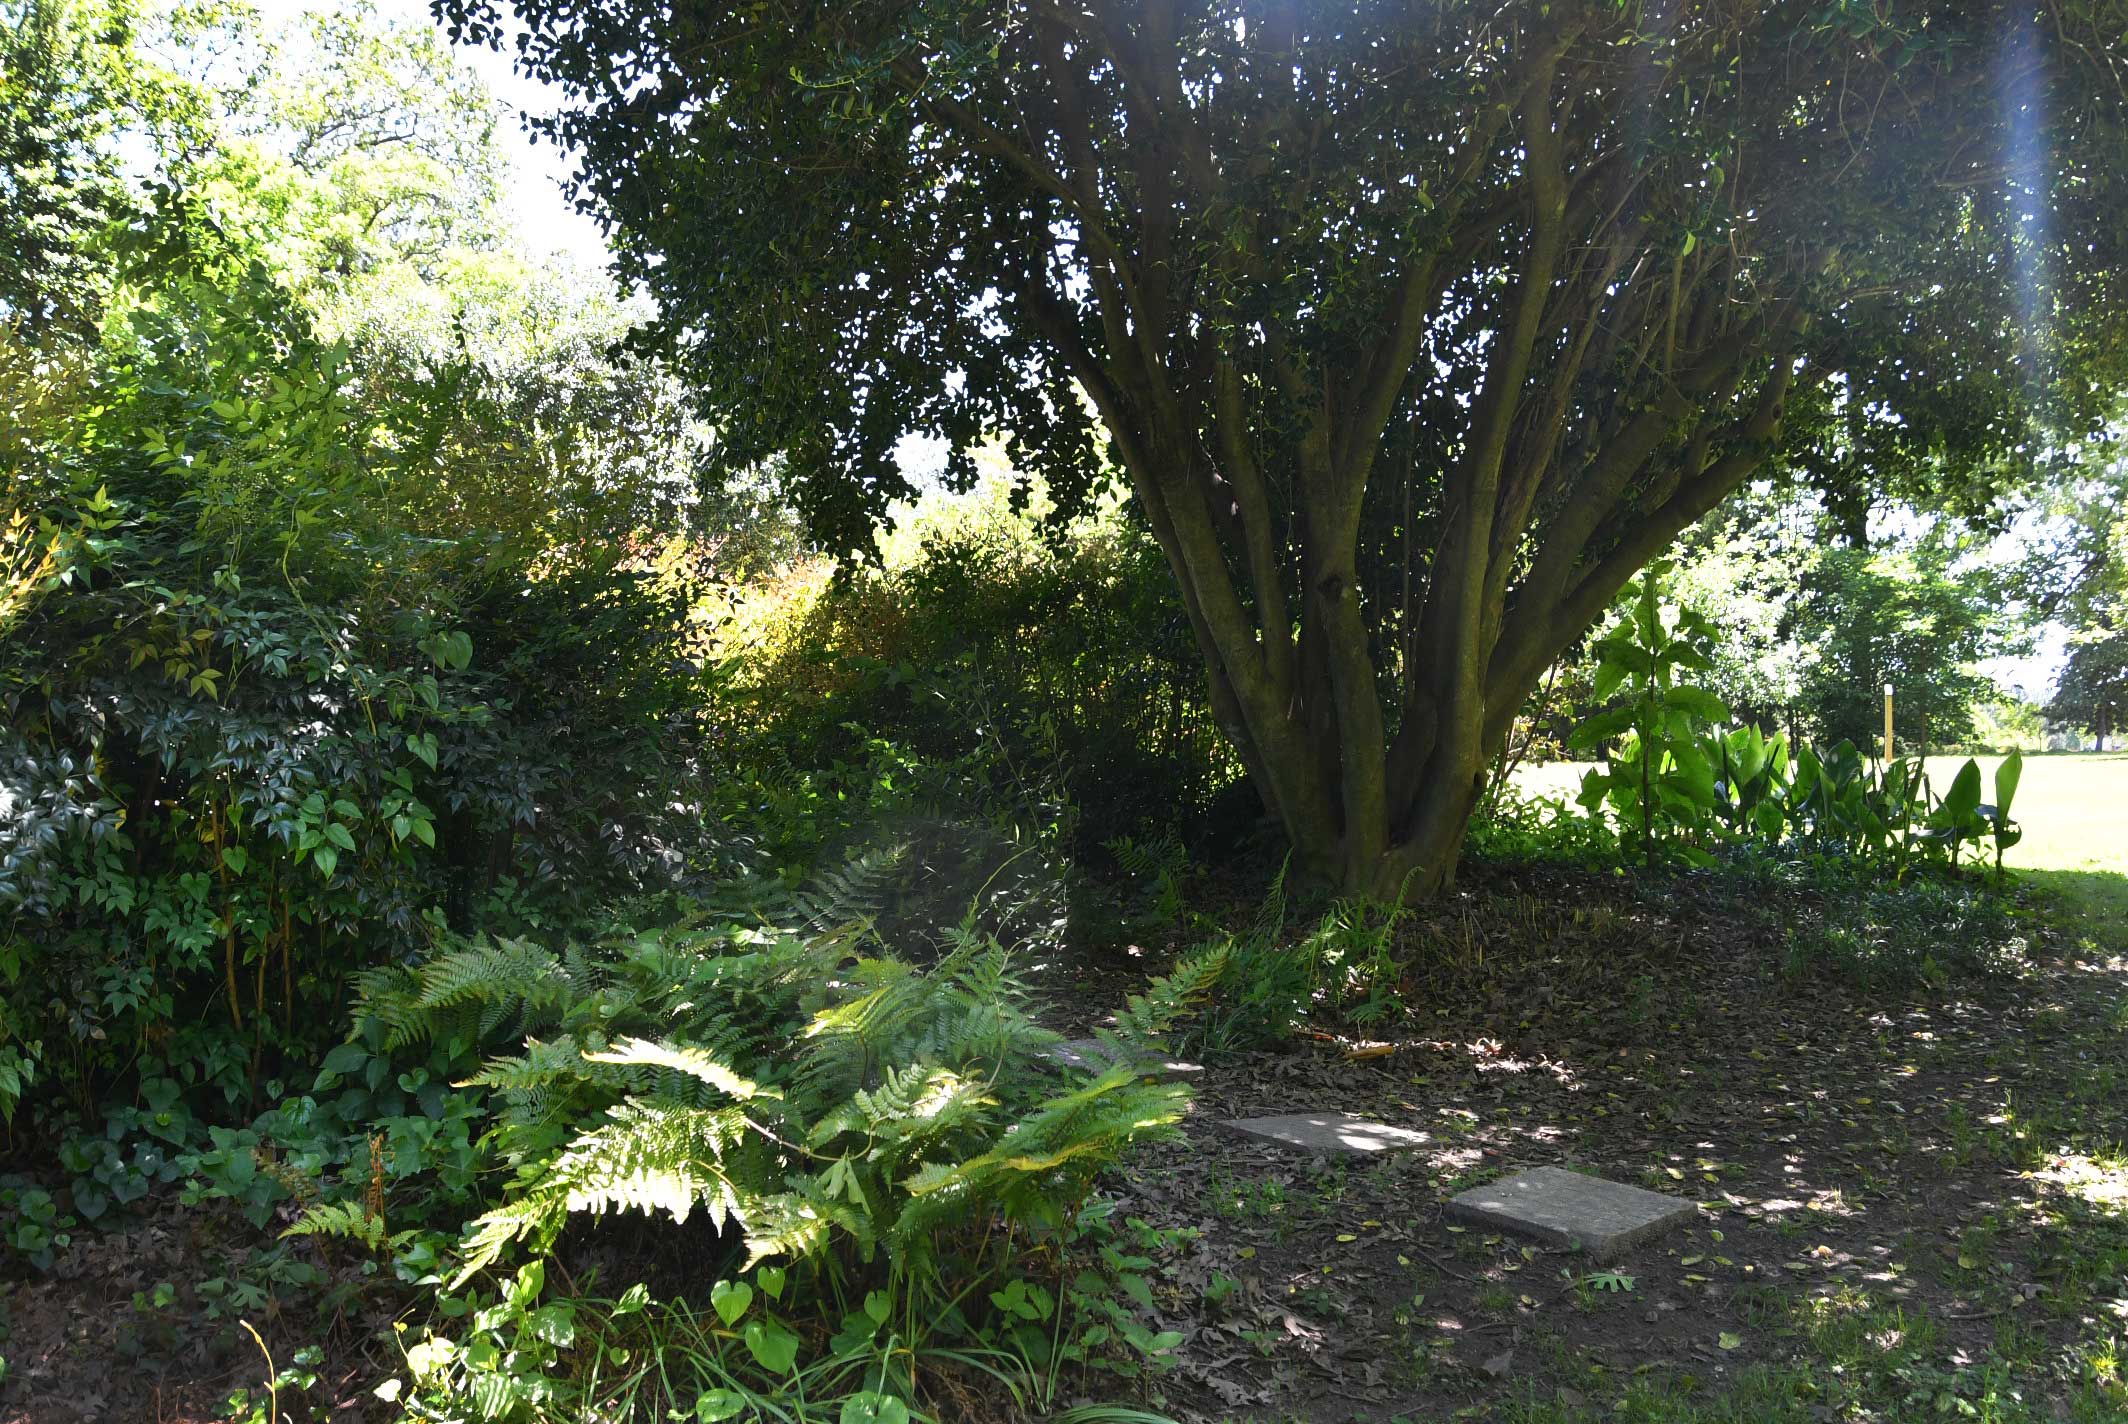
x: 1362, y: 714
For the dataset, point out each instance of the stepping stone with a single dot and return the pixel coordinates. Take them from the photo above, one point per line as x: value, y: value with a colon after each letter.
x: 1090, y: 1055
x: 1331, y: 1134
x: 1562, y: 1208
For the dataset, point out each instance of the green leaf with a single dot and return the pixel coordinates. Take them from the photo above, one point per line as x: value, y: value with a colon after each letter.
x: 718, y: 1404
x: 870, y: 1408
x: 1692, y: 775
x: 730, y: 1299
x: 1602, y: 727
x: 1649, y: 609
x: 1963, y: 799
x: 554, y: 1324
x: 2007, y: 776
x: 1699, y: 702
x: 773, y: 1346
x: 770, y: 1279
x: 326, y: 859
x: 236, y: 858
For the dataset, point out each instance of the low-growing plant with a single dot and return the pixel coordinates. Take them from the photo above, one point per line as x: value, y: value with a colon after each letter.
x: 1158, y: 867
x: 878, y: 1147
x: 35, y: 1228
x: 1514, y: 827
x: 1266, y: 986
x: 1345, y: 965
x: 1924, y: 931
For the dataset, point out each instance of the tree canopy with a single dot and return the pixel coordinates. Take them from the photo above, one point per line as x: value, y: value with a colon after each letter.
x: 345, y: 569
x: 2080, y: 577
x: 1416, y: 332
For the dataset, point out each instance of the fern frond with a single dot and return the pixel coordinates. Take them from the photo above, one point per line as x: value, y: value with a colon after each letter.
x: 854, y: 893
x: 498, y: 972
x: 1270, y: 920
x: 346, y: 1219
x: 542, y: 1064
x: 691, y: 1061
x: 1169, y: 998
x: 798, y: 1225
x: 646, y: 1158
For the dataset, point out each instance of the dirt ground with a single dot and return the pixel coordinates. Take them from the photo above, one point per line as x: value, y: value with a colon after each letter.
x: 1902, y: 1200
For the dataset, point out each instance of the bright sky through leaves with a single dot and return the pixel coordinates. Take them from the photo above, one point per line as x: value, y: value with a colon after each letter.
x: 542, y: 219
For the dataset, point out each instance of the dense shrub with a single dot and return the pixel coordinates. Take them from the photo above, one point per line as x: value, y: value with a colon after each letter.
x: 258, y: 730
x: 1058, y: 671
x: 881, y: 1152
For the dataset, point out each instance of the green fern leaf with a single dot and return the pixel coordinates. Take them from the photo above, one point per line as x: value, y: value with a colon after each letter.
x: 691, y: 1061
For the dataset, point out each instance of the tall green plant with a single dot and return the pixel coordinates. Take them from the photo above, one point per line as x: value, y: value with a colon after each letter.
x: 1657, y: 777
x: 1751, y: 773
x: 1681, y: 785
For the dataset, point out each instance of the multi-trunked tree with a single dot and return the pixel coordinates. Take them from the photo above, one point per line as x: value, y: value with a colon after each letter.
x: 1416, y: 331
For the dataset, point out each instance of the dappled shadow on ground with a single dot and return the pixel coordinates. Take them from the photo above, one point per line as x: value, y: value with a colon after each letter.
x: 1898, y: 1192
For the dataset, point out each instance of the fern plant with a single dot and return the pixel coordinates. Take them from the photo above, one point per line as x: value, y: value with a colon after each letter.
x: 855, y: 1120
x: 1158, y: 867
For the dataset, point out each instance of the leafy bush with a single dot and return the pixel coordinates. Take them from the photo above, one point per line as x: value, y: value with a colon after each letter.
x: 1048, y: 670
x: 256, y: 729
x: 873, y: 1144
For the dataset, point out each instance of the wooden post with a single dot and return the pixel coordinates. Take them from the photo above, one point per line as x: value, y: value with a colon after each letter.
x: 1887, y: 724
